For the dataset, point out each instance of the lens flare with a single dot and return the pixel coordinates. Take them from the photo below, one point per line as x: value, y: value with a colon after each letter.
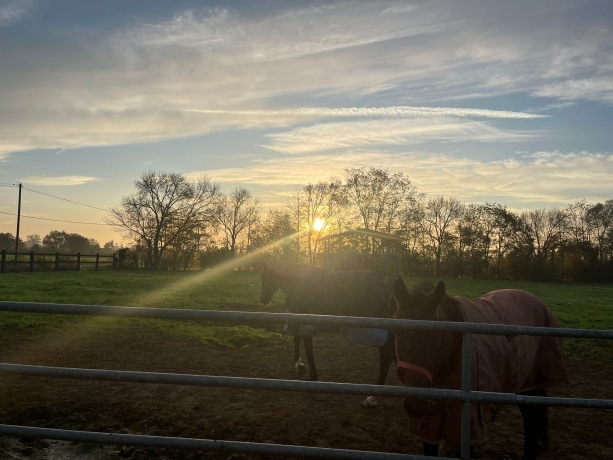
x: 318, y: 224
x: 209, y: 275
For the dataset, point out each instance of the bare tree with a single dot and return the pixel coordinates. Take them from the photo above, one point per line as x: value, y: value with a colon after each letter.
x: 438, y: 218
x: 600, y: 217
x: 547, y: 228
x: 379, y: 199
x: 317, y: 209
x: 33, y: 240
x: 165, y: 208
x: 321, y: 204
x: 236, y: 213
x: 505, y: 228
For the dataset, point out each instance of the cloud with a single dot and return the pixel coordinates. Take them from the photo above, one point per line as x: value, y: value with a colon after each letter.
x: 523, y: 181
x: 205, y: 70
x: 392, y: 111
x: 14, y: 11
x: 291, y: 33
x: 598, y: 88
x: 59, y: 180
x: 370, y: 133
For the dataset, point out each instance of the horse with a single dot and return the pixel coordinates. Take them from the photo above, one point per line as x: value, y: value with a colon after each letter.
x: 524, y: 365
x: 314, y: 290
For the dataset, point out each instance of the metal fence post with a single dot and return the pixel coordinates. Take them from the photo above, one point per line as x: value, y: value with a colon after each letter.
x: 31, y: 261
x: 57, y: 261
x: 467, y: 358
x: 3, y: 262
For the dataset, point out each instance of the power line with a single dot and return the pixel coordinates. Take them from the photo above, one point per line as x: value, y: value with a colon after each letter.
x: 54, y: 220
x: 8, y: 185
x: 65, y: 199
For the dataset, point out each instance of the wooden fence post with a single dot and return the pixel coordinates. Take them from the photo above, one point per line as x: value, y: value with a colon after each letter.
x: 97, y: 260
x: 3, y: 262
x: 31, y: 261
x: 114, y: 261
x: 57, y: 261
x: 78, y: 261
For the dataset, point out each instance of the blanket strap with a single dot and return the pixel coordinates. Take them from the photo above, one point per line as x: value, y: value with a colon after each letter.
x: 416, y: 368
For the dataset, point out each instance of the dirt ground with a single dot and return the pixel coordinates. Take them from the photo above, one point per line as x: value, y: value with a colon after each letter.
x: 244, y: 415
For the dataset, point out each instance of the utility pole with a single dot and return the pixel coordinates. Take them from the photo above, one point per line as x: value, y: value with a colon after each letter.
x: 18, y: 220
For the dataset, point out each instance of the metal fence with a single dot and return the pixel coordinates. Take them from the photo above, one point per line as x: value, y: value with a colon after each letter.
x: 465, y: 394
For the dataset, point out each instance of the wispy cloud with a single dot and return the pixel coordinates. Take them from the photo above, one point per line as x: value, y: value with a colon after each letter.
x: 204, y: 70
x: 13, y: 11
x: 392, y: 111
x: 522, y: 181
x: 59, y: 180
x: 370, y: 133
x: 598, y: 88
x: 294, y: 32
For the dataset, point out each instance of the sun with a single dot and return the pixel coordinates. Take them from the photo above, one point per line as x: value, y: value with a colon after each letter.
x: 318, y: 224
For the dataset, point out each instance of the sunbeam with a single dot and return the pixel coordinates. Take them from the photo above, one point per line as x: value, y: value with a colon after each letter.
x: 209, y: 275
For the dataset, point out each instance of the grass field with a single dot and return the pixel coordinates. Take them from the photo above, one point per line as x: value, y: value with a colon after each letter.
x: 575, y: 305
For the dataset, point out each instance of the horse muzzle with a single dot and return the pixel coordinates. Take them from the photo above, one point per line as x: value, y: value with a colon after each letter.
x: 264, y: 300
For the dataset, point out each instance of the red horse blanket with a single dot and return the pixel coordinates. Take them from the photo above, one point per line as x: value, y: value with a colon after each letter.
x: 500, y: 364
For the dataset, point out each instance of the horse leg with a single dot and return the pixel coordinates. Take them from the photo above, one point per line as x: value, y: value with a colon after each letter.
x: 543, y: 419
x: 430, y: 450
x: 535, y: 424
x: 308, y: 348
x: 387, y: 354
x: 530, y: 415
x: 298, y: 365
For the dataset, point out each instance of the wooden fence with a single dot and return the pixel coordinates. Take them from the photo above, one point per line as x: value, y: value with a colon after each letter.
x: 49, y: 261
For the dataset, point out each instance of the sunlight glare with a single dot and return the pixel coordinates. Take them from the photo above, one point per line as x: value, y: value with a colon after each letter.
x: 319, y: 224
x: 209, y: 275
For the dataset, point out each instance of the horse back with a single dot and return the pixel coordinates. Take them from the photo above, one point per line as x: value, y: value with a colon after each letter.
x: 363, y: 293
x: 507, y: 364
x: 515, y: 364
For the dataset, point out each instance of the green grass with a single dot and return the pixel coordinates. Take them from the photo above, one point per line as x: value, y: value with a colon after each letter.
x: 587, y: 306
x: 131, y: 289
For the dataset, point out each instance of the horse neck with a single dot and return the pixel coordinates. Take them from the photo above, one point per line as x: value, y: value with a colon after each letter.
x: 287, y: 274
x: 450, y: 310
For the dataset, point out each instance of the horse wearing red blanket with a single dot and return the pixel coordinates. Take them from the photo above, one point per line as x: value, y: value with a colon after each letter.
x: 526, y: 365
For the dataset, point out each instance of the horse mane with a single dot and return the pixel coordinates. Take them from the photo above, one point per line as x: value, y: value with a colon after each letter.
x: 450, y: 305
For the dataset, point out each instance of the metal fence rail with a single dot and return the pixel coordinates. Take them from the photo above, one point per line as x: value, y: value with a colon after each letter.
x: 292, y: 318
x: 250, y: 383
x: 465, y: 395
x: 204, y: 444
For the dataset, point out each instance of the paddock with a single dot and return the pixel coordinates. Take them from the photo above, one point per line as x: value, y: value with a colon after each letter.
x: 275, y: 448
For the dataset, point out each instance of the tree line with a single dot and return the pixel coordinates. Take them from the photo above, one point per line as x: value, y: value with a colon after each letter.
x: 56, y: 241
x: 179, y: 224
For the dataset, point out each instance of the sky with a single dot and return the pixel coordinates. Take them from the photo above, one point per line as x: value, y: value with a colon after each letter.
x: 508, y: 102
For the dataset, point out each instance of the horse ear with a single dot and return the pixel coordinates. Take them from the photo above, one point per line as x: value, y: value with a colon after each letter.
x: 264, y: 262
x: 401, y: 292
x: 438, y: 293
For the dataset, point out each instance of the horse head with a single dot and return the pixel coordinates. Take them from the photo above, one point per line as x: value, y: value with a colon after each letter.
x: 270, y: 283
x: 423, y: 356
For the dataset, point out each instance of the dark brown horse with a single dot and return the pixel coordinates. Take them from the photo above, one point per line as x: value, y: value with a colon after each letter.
x: 343, y: 293
x: 526, y: 365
